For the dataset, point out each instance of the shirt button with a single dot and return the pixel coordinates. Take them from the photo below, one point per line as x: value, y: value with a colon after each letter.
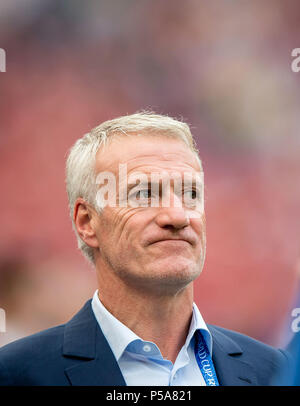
x: 147, y: 348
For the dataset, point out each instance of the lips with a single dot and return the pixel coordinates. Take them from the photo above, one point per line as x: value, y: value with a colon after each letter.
x: 189, y: 240
x: 171, y: 239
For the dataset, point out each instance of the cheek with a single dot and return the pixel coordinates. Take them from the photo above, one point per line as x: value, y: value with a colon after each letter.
x: 199, y: 226
x: 119, y: 227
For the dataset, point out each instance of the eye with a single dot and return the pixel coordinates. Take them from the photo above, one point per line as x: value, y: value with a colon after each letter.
x: 192, y: 198
x: 143, y: 194
x: 140, y: 195
x: 190, y: 194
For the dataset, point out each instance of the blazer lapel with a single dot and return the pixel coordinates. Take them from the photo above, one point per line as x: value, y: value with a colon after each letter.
x: 228, y: 361
x: 91, y: 361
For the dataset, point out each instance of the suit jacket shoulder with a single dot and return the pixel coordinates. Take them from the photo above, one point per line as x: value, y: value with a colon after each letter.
x: 24, y: 360
x: 262, y: 361
x: 75, y: 353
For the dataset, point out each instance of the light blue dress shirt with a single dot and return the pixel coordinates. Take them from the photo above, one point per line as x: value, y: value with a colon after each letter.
x: 141, y: 362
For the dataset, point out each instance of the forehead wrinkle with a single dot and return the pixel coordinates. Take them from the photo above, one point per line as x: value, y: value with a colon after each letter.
x: 183, y: 153
x: 162, y: 159
x: 156, y: 159
x: 164, y: 156
x: 148, y: 169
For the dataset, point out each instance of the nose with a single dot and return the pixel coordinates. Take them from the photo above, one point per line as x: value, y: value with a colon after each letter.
x: 172, y: 217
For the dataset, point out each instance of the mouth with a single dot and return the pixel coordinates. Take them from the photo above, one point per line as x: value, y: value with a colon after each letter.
x: 172, y: 241
x: 179, y: 239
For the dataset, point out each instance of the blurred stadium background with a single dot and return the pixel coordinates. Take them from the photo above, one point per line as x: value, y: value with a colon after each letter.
x: 225, y: 67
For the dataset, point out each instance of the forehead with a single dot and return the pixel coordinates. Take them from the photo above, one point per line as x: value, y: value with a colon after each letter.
x: 146, y: 151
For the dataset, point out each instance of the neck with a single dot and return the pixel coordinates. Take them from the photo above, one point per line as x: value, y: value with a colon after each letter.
x: 162, y: 319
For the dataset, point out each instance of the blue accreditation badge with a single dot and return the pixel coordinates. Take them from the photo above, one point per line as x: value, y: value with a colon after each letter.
x: 204, y: 361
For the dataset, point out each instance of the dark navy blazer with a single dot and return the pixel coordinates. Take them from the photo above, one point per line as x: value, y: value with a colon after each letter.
x: 77, y: 353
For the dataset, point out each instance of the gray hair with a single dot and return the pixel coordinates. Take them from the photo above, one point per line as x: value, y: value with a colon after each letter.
x: 80, y: 166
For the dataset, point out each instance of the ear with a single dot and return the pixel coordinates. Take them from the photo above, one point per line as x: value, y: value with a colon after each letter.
x: 85, y: 221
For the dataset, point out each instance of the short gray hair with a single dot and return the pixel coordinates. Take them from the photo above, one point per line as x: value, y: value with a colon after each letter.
x: 80, y: 167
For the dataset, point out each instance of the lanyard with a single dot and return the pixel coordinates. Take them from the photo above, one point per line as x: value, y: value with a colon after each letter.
x: 204, y: 361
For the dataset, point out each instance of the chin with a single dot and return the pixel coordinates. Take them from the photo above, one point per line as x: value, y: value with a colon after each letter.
x: 180, y: 271
x: 163, y: 275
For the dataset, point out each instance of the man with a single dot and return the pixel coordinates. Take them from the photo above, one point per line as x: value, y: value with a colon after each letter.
x: 135, y: 187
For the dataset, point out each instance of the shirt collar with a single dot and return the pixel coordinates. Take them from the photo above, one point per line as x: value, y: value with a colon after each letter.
x: 120, y: 336
x: 198, y: 323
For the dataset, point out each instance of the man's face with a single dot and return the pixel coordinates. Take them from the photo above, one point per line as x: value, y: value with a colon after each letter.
x: 157, y: 248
